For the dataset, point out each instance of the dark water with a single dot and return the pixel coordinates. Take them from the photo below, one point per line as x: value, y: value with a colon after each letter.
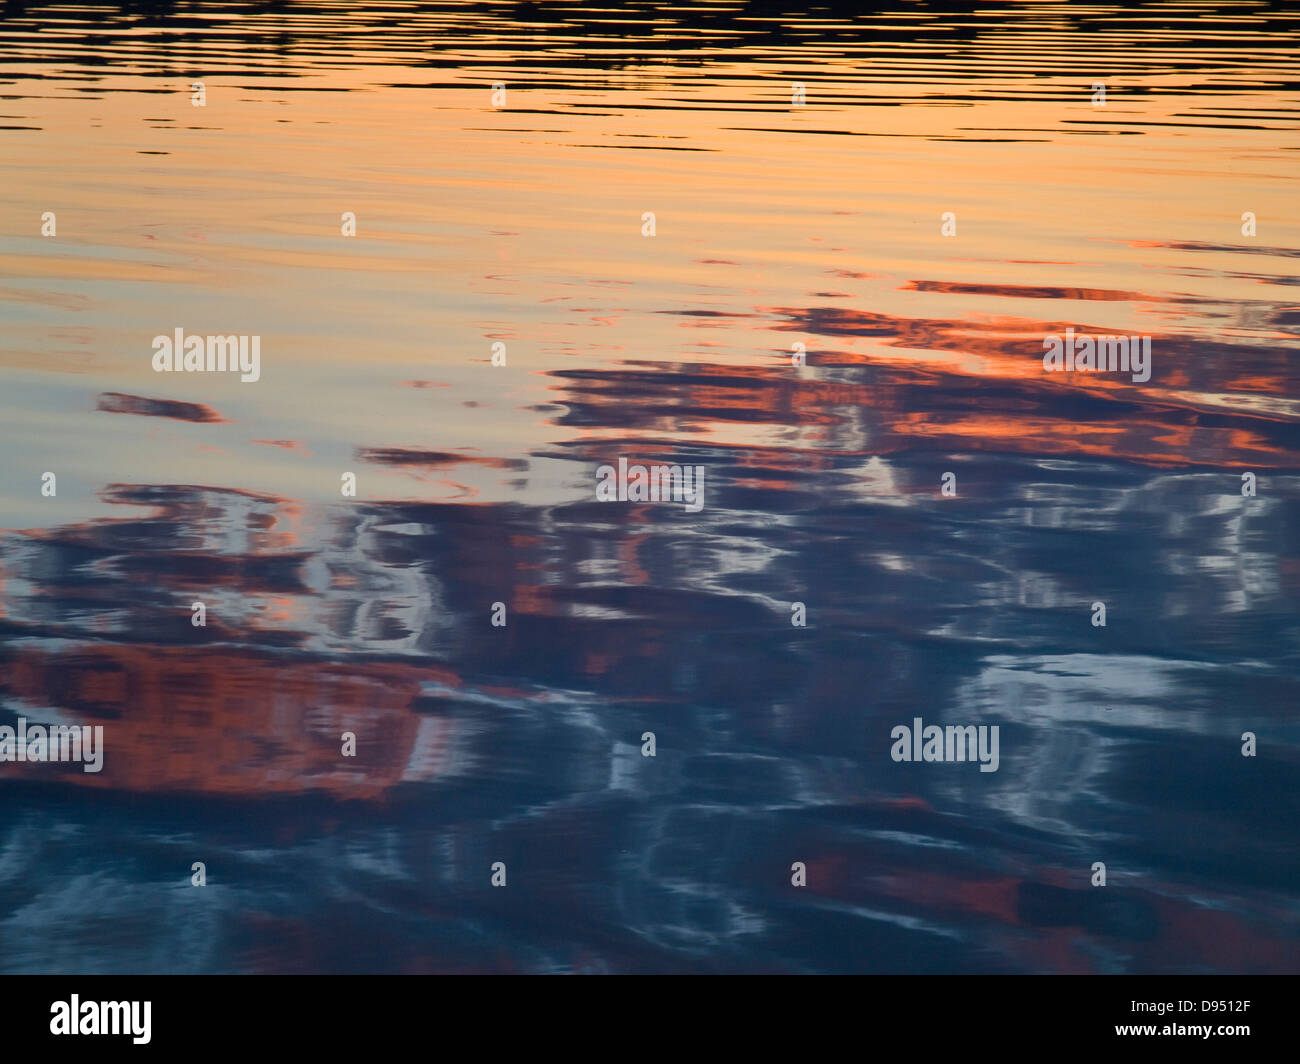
x: 776, y: 225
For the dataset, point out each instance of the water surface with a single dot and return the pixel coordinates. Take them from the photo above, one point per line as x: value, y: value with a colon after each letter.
x: 776, y: 225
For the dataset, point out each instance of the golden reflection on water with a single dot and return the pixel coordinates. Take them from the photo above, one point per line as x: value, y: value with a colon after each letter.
x: 522, y: 224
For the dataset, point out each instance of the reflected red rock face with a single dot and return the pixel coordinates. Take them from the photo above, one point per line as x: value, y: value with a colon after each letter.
x: 221, y: 722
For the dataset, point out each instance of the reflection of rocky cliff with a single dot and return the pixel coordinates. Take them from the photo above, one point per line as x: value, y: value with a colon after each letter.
x: 373, y: 617
x: 222, y: 722
x: 268, y: 575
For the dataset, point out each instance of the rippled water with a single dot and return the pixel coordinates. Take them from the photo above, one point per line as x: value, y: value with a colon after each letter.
x: 775, y: 225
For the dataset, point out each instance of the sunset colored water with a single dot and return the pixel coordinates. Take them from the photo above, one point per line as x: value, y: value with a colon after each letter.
x: 815, y: 256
